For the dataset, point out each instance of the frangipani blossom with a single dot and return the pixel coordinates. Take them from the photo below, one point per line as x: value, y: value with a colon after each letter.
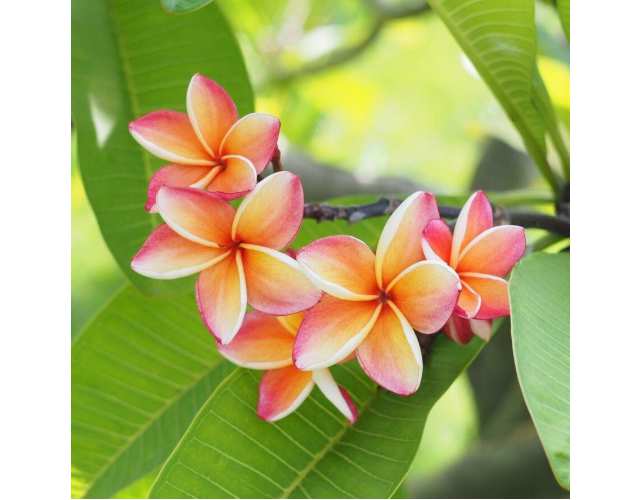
x: 235, y: 251
x: 481, y: 255
x: 208, y: 147
x: 374, y: 302
x: 265, y: 343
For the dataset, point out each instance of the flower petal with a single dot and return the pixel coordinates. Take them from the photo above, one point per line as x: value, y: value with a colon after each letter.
x: 494, y: 251
x: 426, y: 294
x: 474, y: 218
x: 169, y: 135
x: 495, y: 301
x: 338, y: 396
x: 282, y: 391
x: 331, y: 330
x: 175, y: 176
x: 400, y: 243
x: 197, y: 215
x: 166, y: 255
x: 342, y: 266
x: 276, y: 284
x: 253, y: 136
x: 272, y: 213
x: 391, y: 355
x: 261, y: 343
x: 291, y: 322
x: 222, y: 297
x: 458, y: 329
x: 437, y: 241
x: 211, y: 110
x: 468, y: 303
x: 482, y: 328
x: 236, y: 179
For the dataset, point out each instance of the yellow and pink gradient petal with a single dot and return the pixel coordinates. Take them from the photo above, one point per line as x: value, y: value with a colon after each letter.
x: 272, y: 213
x: 342, y: 266
x: 211, y: 110
x: 254, y: 136
x: 173, y: 175
x: 234, y: 179
x: 474, y: 218
x: 494, y: 251
x: 167, y: 255
x: 493, y: 291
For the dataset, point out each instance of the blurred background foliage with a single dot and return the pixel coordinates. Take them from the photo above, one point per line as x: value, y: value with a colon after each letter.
x: 377, y: 97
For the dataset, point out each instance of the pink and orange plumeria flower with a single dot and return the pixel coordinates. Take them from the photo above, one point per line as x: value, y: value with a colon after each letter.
x: 208, y: 147
x: 265, y: 343
x: 481, y: 255
x: 374, y: 302
x: 235, y: 251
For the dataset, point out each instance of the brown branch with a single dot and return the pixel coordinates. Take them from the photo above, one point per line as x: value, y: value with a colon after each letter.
x: 385, y: 206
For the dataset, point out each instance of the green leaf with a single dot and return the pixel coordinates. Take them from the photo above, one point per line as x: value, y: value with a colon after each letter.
x: 563, y: 8
x: 499, y: 38
x: 540, y: 301
x: 314, y: 453
x: 139, y: 373
x: 183, y: 6
x: 129, y: 59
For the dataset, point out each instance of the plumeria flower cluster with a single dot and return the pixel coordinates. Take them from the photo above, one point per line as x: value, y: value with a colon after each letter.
x: 333, y: 300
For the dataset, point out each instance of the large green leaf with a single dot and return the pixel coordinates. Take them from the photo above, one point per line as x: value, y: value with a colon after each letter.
x: 129, y: 58
x: 314, y: 453
x: 540, y: 300
x: 499, y: 38
x: 139, y: 373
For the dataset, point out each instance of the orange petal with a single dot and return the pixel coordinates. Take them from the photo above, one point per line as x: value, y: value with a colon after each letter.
x: 211, y: 111
x: 458, y: 329
x: 426, y: 294
x: 391, y: 355
x: 342, y: 266
x: 437, y: 241
x: 169, y: 135
x: 469, y: 302
x: 291, y: 322
x: 276, y: 284
x: 400, y: 243
x: 338, y: 396
x: 331, y: 330
x: 235, y: 179
x: 282, y: 391
x: 494, y: 251
x: 475, y: 217
x: 174, y: 176
x: 222, y: 297
x: 166, y: 255
x: 197, y: 215
x: 272, y: 213
x: 495, y: 301
x: 253, y: 136
x: 261, y: 343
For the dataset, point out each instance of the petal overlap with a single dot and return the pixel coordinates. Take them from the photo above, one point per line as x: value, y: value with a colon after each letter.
x: 211, y: 111
x: 174, y: 176
x: 197, y: 215
x: 391, y: 355
x: 338, y: 396
x: 170, y: 136
x: 493, y: 291
x: 261, y: 344
x: 221, y: 295
x: 276, y: 283
x: 426, y: 293
x: 494, y: 251
x: 474, y: 218
x: 437, y: 241
x: 331, y: 330
x: 254, y: 136
x: 167, y: 255
x: 272, y: 213
x: 342, y: 266
x: 236, y: 178
x: 399, y: 245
